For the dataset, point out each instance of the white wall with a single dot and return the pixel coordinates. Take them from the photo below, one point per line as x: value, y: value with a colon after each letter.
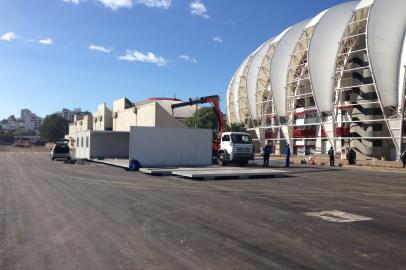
x: 164, y: 147
x: 109, y: 144
x: 101, y: 144
x: 81, y: 151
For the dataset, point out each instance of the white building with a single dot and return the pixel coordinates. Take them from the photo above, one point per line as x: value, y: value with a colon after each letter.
x: 70, y: 115
x: 30, y: 120
x: 11, y: 124
x: 337, y: 80
x: 146, y: 131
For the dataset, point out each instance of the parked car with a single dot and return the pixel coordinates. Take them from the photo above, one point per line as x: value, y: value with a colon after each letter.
x: 61, y: 150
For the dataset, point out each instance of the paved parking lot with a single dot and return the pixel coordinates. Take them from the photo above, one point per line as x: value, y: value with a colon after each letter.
x: 60, y: 216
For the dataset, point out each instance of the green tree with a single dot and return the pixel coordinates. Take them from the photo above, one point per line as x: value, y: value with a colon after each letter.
x: 22, y: 132
x: 206, y: 118
x: 54, y: 127
x: 233, y: 127
x: 6, y: 136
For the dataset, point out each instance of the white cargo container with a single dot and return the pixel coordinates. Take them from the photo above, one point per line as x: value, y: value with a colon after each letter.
x: 165, y: 147
x: 101, y: 144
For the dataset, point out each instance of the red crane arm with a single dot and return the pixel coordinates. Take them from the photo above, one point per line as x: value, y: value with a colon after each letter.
x: 215, y: 101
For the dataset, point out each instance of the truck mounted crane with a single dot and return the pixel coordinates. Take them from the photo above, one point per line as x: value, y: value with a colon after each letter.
x: 228, y: 147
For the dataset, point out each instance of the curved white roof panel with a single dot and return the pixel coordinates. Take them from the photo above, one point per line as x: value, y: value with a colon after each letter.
x: 236, y: 87
x: 278, y: 37
x: 316, y: 19
x: 323, y: 51
x: 252, y: 76
x: 402, y: 72
x: 364, y: 3
x: 386, y: 30
x: 228, y: 97
x: 280, y: 65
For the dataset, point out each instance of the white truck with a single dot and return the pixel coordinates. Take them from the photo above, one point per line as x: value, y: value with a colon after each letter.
x: 229, y: 147
x: 235, y: 147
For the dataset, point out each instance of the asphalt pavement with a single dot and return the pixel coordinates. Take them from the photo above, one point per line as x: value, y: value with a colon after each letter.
x: 62, y: 216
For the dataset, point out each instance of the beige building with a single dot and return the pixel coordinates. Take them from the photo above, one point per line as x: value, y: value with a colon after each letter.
x: 102, y: 119
x: 148, y: 113
x: 80, y: 123
x: 155, y: 112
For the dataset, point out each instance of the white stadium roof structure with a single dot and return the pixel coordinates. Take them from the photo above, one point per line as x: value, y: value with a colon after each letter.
x: 337, y: 80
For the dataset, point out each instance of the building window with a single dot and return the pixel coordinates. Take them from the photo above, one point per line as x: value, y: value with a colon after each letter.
x: 77, y: 142
x: 81, y: 142
x: 377, y: 111
x: 377, y: 127
x: 87, y: 142
x: 311, y: 102
x: 347, y: 96
x: 377, y: 143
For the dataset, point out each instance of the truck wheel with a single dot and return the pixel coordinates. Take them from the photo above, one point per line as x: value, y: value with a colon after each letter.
x: 221, y: 159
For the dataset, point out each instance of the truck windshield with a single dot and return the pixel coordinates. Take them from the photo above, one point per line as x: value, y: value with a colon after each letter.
x: 241, y: 139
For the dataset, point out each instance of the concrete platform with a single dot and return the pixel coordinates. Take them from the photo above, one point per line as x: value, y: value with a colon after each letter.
x: 168, y: 171
x: 117, y: 162
x: 228, y: 173
x: 158, y: 171
x: 210, y: 173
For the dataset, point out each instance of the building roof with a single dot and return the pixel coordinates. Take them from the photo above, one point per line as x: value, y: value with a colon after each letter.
x: 386, y: 46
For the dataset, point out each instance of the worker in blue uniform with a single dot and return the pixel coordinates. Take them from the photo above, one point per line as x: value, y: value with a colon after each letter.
x: 266, y: 152
x: 287, y: 155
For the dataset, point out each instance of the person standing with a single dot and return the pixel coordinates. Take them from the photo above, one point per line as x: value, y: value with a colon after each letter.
x: 331, y: 156
x: 266, y: 151
x: 352, y: 157
x: 403, y: 158
x: 287, y: 155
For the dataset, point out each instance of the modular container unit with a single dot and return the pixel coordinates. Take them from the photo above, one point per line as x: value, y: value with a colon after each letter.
x: 101, y: 144
x: 165, y: 147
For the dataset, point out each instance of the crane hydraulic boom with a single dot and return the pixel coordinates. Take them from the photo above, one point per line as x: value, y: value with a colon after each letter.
x: 228, y: 147
x: 214, y: 100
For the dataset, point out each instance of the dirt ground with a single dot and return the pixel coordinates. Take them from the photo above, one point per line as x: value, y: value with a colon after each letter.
x: 11, y: 148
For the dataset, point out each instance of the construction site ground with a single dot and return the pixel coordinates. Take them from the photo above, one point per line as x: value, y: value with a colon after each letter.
x: 55, y: 215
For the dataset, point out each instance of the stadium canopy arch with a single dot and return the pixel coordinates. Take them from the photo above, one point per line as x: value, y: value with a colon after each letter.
x: 336, y: 80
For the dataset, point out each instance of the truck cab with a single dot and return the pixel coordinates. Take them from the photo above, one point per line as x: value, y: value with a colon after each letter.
x: 235, y: 147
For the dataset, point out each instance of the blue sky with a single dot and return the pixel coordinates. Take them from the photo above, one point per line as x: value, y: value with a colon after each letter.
x: 66, y: 53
